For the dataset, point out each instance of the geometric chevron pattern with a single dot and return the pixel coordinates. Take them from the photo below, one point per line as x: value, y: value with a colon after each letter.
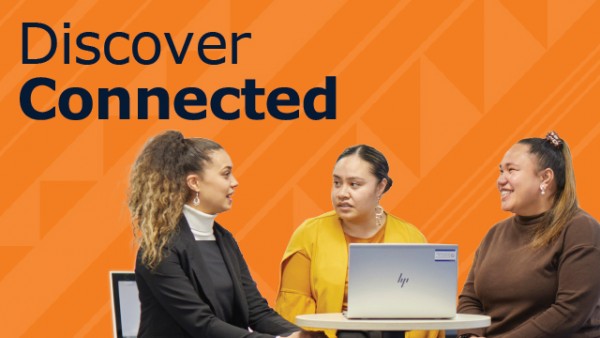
x: 443, y: 88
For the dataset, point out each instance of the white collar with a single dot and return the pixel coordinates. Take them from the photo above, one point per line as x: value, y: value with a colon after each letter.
x: 201, y: 223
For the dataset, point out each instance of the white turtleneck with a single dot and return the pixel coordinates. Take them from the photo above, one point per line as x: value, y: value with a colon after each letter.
x: 201, y: 223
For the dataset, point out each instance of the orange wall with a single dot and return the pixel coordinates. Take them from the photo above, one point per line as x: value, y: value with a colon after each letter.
x: 443, y: 88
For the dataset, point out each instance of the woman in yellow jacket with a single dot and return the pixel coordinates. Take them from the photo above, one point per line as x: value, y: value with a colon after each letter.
x: 314, y: 268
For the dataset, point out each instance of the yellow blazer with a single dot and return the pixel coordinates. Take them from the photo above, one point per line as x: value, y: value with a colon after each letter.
x: 321, y: 240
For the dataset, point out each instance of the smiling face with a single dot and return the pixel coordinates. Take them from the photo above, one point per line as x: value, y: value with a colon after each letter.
x: 216, y: 184
x: 519, y: 182
x: 355, y: 192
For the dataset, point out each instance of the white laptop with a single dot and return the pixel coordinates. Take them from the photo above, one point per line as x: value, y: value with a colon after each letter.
x: 392, y: 280
x: 125, y: 304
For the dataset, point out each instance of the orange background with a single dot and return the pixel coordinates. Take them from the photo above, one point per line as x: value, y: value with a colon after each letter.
x: 442, y: 88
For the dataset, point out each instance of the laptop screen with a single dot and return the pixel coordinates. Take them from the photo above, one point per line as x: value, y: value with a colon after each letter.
x: 402, y: 280
x: 126, y: 304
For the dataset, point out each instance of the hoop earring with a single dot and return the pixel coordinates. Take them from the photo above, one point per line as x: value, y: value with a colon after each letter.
x: 196, y: 201
x: 379, y: 216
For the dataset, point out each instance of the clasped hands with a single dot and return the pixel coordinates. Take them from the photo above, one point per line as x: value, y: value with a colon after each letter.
x: 308, y: 334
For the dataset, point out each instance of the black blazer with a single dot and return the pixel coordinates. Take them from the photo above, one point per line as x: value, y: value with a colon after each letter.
x: 178, y: 299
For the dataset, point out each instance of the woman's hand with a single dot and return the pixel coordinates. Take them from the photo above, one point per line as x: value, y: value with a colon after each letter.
x: 308, y: 334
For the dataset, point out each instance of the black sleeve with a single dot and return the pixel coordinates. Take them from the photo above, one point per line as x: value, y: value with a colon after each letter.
x: 173, y: 290
x: 262, y: 317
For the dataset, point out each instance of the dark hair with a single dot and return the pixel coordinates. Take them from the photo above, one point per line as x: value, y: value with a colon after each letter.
x: 553, y: 152
x: 378, y: 163
x: 158, y: 188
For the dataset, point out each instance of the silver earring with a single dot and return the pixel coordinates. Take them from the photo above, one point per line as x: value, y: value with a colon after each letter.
x: 542, y: 189
x: 196, y: 201
x: 379, y: 216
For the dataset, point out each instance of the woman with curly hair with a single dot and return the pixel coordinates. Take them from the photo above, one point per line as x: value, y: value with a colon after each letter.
x: 191, y: 276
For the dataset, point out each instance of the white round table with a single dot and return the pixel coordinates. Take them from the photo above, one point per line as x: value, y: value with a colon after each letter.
x: 338, y: 321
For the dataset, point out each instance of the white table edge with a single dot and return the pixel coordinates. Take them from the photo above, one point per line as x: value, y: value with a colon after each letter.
x: 337, y: 321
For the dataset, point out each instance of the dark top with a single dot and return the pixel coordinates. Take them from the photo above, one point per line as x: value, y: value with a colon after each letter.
x: 552, y: 291
x: 219, y: 275
x: 179, y: 299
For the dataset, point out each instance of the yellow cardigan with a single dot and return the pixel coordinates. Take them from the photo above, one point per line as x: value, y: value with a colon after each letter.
x: 321, y: 240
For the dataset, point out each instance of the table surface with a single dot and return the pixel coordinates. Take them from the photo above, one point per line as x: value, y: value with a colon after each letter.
x: 339, y: 322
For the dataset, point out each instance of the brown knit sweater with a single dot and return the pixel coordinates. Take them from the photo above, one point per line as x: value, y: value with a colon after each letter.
x: 553, y: 291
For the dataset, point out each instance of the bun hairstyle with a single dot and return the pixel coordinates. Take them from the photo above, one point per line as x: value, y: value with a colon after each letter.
x: 378, y: 163
x: 553, y: 152
x: 158, y: 188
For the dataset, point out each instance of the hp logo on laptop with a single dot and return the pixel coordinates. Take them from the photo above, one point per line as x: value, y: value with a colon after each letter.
x: 402, y: 280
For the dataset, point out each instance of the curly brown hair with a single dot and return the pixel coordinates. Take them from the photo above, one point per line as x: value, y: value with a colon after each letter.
x: 158, y: 188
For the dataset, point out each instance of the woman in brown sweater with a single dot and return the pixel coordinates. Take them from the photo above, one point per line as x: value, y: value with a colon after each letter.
x: 537, y: 274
